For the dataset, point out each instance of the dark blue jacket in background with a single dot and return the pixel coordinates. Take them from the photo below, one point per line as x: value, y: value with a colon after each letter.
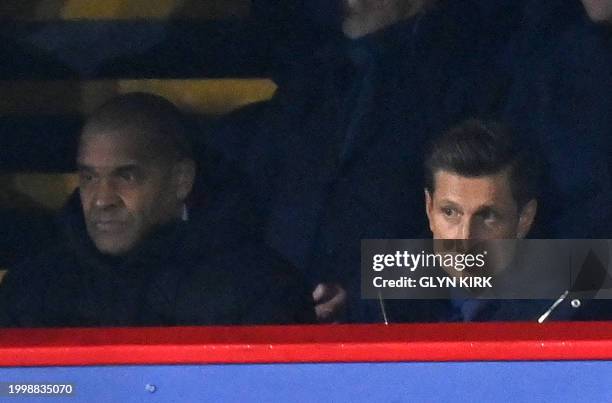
x: 561, y: 97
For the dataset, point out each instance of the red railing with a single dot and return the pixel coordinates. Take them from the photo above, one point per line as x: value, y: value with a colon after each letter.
x: 293, y: 344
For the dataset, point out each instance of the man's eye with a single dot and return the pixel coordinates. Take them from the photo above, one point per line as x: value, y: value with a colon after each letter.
x: 449, y: 212
x: 128, y: 176
x: 490, y: 218
x: 85, y: 177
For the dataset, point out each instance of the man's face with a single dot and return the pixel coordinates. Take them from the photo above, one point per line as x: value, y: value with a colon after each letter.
x: 476, y: 208
x: 126, y: 191
x: 599, y: 10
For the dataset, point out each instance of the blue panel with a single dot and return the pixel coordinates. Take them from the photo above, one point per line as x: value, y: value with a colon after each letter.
x: 381, y: 382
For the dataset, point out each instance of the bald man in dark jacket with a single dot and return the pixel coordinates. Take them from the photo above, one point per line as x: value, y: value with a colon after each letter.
x: 182, y: 275
x: 133, y: 254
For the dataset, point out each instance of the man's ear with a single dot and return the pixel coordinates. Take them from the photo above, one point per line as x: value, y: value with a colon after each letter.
x: 428, y: 206
x: 526, y: 218
x: 184, y: 177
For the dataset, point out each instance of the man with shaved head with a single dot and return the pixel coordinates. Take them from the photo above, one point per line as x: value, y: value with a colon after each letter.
x: 135, y: 168
x: 133, y: 254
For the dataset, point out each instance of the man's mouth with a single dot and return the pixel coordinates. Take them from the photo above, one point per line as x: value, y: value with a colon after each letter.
x: 109, y: 225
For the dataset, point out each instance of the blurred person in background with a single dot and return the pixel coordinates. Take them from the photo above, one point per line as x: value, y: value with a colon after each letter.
x: 560, y: 64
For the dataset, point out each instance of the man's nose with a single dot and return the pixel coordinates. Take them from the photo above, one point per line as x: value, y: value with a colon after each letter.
x: 105, y: 194
x: 467, y: 229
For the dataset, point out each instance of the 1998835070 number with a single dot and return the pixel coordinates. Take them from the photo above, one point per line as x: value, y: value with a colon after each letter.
x: 35, y: 389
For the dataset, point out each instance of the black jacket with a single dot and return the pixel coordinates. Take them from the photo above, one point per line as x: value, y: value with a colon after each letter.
x: 185, y: 274
x: 426, y: 311
x: 541, y: 283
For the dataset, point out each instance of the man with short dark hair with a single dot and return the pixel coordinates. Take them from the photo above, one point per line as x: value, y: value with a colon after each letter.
x: 133, y: 254
x: 481, y: 183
